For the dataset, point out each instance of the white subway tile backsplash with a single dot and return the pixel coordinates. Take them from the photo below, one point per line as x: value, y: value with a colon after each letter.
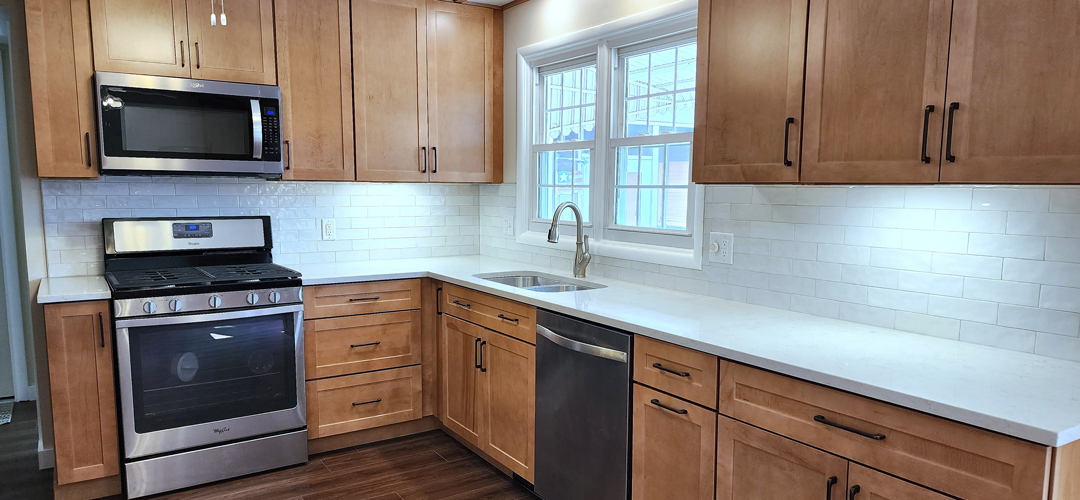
x: 1063, y: 249
x: 816, y: 306
x: 1044, y: 224
x: 907, y: 260
x: 868, y: 315
x: 1043, y: 320
x: 896, y: 299
x: 1008, y: 292
x: 1060, y: 298
x: 902, y: 218
x: 938, y: 197
x: 997, y: 336
x: 846, y: 216
x: 873, y: 237
x: 967, y: 265
x: 1046, y: 273
x: 1011, y: 200
x: 1056, y: 346
x: 972, y: 310
x: 946, y: 328
x: 935, y: 241
x: 821, y: 196
x: 970, y: 221
x: 871, y: 196
x: 844, y: 254
x: 1000, y: 245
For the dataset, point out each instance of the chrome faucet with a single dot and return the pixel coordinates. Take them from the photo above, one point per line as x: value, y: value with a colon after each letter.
x: 582, y: 255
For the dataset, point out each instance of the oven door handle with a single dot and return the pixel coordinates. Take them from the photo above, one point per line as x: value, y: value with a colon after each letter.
x: 206, y: 318
x: 256, y: 129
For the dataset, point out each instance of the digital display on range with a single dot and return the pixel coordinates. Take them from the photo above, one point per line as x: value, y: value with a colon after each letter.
x: 200, y: 230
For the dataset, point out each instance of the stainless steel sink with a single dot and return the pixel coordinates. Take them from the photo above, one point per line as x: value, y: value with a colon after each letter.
x: 539, y: 282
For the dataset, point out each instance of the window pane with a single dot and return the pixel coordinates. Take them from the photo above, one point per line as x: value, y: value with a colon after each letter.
x: 563, y: 176
x: 662, y: 71
x: 637, y: 116
x: 686, y: 72
x: 626, y: 207
x: 637, y: 76
x: 569, y: 102
x: 661, y: 115
x: 652, y: 186
x: 684, y: 112
x: 659, y: 97
x: 675, y: 201
x: 678, y: 165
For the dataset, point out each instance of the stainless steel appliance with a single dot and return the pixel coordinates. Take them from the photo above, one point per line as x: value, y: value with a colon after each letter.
x: 150, y: 124
x: 582, y: 410
x: 209, y: 349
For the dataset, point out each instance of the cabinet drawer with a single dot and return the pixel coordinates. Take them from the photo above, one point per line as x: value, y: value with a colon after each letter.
x: 357, y: 402
x: 328, y: 301
x: 686, y: 373
x: 504, y: 316
x: 954, y: 458
x: 354, y: 344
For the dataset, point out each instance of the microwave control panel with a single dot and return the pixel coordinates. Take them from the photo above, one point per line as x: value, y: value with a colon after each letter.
x: 271, y: 125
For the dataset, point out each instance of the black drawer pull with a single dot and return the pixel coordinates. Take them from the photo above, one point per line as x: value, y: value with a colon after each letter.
x: 949, y: 157
x: 438, y: 301
x: 829, y: 487
x: 101, y: 325
x: 483, y: 369
x: 364, y: 299
x: 368, y: 402
x: 668, y: 408
x: 822, y: 420
x: 365, y: 345
x: 476, y: 353
x: 853, y: 492
x: 661, y: 367
x: 926, y: 131
x: 507, y: 318
x: 787, y: 139
x: 462, y: 304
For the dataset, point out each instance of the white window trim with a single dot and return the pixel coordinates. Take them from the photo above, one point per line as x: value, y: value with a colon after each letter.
x: 600, y: 41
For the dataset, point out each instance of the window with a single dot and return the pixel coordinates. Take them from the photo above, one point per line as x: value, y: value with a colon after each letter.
x: 610, y: 123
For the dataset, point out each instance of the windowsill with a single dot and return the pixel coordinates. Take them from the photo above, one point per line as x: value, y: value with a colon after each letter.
x: 652, y: 254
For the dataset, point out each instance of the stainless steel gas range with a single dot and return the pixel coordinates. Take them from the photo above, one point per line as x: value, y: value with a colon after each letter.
x: 209, y: 348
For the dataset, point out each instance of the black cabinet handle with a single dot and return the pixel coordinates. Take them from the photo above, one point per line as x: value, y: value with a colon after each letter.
x: 853, y: 491
x: 462, y: 304
x: 364, y: 345
x: 926, y: 130
x: 198, y: 59
x: 657, y: 403
x: 662, y: 368
x: 288, y: 155
x: 949, y: 157
x: 508, y: 318
x: 438, y: 301
x: 423, y: 152
x: 89, y: 163
x: 101, y: 326
x: 787, y: 137
x: 483, y: 369
x: 181, y: 53
x: 476, y: 353
x: 829, y: 487
x: 435, y: 164
x: 822, y: 420
x: 364, y: 299
x: 368, y: 402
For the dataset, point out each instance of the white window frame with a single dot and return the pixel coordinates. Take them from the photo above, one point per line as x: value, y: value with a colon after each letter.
x: 665, y: 25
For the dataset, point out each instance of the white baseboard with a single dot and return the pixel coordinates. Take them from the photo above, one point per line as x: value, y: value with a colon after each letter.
x: 45, y: 457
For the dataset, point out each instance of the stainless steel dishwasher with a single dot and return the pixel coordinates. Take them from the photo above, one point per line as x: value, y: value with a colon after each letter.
x: 582, y: 410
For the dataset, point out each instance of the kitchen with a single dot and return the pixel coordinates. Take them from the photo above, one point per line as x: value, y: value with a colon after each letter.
x: 336, y: 248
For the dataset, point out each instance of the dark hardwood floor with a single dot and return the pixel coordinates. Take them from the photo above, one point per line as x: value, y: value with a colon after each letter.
x: 426, y: 466
x: 19, y: 474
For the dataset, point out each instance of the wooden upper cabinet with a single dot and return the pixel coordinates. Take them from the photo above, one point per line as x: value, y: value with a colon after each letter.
x: 674, y: 448
x: 61, y: 70
x: 240, y: 51
x: 872, y: 70
x: 462, y: 399
x: 145, y: 37
x: 315, y: 75
x: 508, y: 367
x: 869, y: 484
x: 1012, y: 73
x: 465, y: 92
x: 389, y: 53
x: 753, y: 464
x: 749, y: 87
x: 79, y: 342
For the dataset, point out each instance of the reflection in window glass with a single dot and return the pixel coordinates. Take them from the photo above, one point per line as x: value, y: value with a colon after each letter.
x: 563, y: 176
x: 659, y: 92
x: 652, y: 186
x: 569, y: 105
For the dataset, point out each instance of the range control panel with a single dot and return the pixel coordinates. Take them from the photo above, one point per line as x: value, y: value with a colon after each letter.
x: 193, y: 230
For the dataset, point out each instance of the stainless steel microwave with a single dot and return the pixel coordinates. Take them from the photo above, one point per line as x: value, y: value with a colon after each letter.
x: 157, y: 125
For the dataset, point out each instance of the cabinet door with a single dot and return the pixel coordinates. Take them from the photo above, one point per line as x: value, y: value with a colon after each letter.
x: 461, y: 394
x: 1012, y: 74
x: 61, y: 68
x: 240, y: 51
x: 752, y: 464
x: 144, y: 37
x: 872, y: 71
x: 674, y: 448
x: 869, y: 484
x: 315, y: 75
x: 464, y: 52
x: 389, y: 44
x: 750, y: 85
x: 510, y: 394
x: 79, y: 343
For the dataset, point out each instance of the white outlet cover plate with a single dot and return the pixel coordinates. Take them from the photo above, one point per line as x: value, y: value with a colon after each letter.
x: 722, y: 241
x: 328, y: 229
x: 508, y: 225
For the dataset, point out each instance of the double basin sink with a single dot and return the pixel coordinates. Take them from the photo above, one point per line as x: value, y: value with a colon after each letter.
x: 539, y: 282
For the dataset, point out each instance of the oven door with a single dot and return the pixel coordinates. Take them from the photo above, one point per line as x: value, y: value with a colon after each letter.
x: 187, y: 126
x: 189, y: 381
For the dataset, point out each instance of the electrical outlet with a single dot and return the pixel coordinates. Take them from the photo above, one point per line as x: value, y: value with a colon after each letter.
x: 721, y: 247
x: 508, y: 225
x: 328, y: 228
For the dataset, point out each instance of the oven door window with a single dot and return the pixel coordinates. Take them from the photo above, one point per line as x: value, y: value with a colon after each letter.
x: 196, y: 373
x: 143, y: 123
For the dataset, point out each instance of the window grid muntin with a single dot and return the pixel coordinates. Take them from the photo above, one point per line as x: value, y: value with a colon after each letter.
x: 661, y: 185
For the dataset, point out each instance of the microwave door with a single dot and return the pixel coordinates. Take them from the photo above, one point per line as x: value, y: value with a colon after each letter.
x: 256, y: 129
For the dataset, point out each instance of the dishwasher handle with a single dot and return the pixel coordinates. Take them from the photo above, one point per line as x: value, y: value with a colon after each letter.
x: 573, y: 345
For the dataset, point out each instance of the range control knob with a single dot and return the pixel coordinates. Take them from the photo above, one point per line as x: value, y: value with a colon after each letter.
x: 274, y: 297
x: 175, y: 305
x: 253, y: 298
x: 149, y: 307
x: 214, y: 301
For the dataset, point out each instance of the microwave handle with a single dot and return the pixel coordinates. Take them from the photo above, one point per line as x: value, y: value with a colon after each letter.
x: 256, y: 128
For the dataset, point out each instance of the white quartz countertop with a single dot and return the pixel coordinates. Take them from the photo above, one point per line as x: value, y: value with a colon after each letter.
x: 1018, y: 394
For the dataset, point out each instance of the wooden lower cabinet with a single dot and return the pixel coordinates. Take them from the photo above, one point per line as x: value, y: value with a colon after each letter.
x: 79, y: 342
x: 753, y: 464
x: 354, y: 344
x: 869, y: 484
x: 363, y: 401
x: 674, y: 448
x: 460, y: 374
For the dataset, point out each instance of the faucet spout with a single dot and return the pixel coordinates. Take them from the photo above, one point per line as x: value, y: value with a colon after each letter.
x: 581, y: 255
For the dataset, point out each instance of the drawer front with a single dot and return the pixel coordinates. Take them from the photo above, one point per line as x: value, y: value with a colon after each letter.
x: 504, y: 316
x: 329, y: 301
x: 357, y: 402
x: 954, y: 458
x: 354, y: 344
x: 686, y: 373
